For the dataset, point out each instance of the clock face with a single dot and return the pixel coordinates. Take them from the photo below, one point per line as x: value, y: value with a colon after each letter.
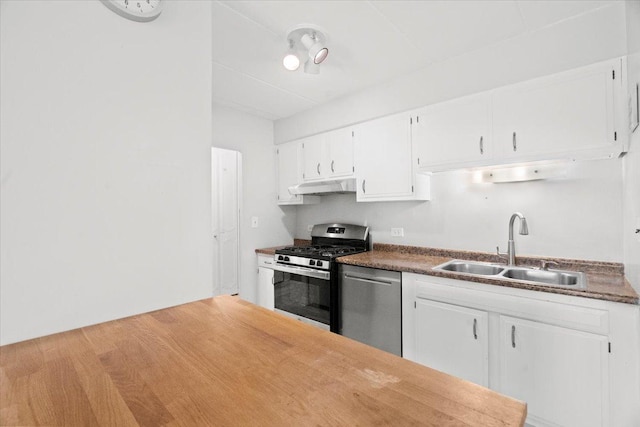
x: 136, y: 10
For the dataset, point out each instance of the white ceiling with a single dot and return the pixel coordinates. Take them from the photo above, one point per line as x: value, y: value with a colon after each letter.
x: 370, y: 42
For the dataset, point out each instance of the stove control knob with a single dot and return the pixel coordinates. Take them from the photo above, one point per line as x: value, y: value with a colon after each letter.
x: 286, y: 259
x: 319, y: 263
x: 312, y: 262
x: 280, y: 257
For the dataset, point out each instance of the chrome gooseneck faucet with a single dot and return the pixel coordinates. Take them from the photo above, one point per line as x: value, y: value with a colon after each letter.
x: 511, y: 246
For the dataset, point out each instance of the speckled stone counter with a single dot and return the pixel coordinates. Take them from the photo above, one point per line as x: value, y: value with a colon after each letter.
x: 269, y: 251
x: 605, y: 280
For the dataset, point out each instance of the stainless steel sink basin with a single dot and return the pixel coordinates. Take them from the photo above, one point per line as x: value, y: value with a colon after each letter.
x: 562, y: 278
x: 549, y: 277
x: 471, y: 267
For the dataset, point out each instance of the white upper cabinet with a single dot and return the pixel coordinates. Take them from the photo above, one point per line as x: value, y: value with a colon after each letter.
x: 340, y: 152
x: 572, y: 114
x: 327, y: 155
x: 288, y: 162
x: 383, y: 155
x: 453, y: 132
x: 576, y: 114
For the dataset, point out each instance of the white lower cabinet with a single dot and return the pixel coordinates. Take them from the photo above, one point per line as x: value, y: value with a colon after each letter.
x: 561, y: 373
x: 265, y: 296
x: 574, y: 361
x: 452, y: 339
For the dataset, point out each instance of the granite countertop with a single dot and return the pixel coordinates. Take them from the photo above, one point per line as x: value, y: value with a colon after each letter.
x: 269, y: 251
x: 605, y: 280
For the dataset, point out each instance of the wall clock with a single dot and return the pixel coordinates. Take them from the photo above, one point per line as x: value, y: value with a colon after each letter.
x: 136, y: 10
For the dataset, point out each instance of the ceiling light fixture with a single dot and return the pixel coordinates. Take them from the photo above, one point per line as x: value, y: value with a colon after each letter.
x: 291, y: 61
x: 310, y: 41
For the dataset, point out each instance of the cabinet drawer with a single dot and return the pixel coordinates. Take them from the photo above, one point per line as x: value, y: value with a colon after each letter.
x: 531, y: 306
x: 265, y: 261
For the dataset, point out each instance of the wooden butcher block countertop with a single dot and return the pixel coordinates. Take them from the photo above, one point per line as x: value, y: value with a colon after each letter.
x: 223, y: 362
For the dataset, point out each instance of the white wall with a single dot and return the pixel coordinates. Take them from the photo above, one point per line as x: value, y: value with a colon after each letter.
x: 578, y: 216
x: 582, y: 40
x: 105, y: 174
x: 575, y: 216
x: 632, y: 159
x: 253, y: 137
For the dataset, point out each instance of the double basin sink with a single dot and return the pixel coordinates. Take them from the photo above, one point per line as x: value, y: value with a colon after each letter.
x: 562, y: 278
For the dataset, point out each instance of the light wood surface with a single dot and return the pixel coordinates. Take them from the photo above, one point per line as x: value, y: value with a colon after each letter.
x: 224, y: 362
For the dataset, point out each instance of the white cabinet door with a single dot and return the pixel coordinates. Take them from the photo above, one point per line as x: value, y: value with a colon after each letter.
x: 561, y: 373
x: 314, y: 165
x: 287, y: 155
x: 339, y: 144
x: 265, y: 288
x: 453, y: 132
x: 288, y: 171
x: 383, y: 159
x: 560, y: 115
x: 452, y: 339
x: 328, y: 155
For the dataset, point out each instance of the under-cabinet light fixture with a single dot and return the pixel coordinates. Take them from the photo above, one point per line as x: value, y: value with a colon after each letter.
x: 520, y: 172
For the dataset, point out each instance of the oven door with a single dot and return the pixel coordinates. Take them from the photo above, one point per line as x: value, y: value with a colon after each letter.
x: 303, y: 293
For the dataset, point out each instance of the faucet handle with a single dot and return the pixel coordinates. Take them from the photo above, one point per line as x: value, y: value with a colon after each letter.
x: 544, y: 264
x: 501, y: 255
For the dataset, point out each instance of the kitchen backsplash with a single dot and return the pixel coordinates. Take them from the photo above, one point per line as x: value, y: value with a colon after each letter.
x: 575, y: 216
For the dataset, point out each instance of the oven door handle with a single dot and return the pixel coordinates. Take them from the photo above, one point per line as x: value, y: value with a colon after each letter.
x: 302, y: 271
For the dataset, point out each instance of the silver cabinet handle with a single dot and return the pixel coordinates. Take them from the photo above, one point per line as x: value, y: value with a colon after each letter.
x: 363, y: 187
x: 515, y: 145
x: 373, y: 280
x: 273, y: 280
x: 332, y: 163
x: 475, y: 329
x: 513, y: 336
x: 318, y: 168
x: 481, y: 146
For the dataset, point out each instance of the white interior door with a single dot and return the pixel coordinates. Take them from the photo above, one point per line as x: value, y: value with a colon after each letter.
x: 225, y: 184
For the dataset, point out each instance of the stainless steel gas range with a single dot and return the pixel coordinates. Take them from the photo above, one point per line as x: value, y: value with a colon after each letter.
x: 306, y: 277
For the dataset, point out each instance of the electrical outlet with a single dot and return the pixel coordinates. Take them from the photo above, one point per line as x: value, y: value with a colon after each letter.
x: 397, y: 232
x: 309, y: 227
x: 254, y: 222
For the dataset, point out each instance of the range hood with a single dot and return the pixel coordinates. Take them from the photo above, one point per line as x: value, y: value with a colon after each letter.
x: 340, y: 185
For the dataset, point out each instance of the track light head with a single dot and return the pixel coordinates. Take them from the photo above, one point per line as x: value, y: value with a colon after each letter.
x: 317, y: 50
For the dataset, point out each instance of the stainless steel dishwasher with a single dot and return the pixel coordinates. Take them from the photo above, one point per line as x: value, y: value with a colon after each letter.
x: 370, y: 309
